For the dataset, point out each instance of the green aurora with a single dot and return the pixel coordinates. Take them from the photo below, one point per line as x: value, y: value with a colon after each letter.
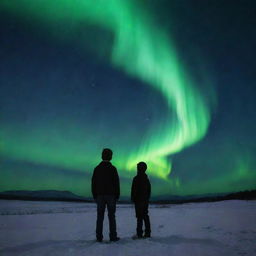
x: 134, y: 51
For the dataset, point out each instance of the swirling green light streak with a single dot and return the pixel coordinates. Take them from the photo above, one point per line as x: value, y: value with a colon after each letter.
x: 142, y: 50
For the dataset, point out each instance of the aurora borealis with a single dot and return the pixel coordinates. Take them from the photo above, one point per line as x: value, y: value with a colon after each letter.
x: 165, y: 83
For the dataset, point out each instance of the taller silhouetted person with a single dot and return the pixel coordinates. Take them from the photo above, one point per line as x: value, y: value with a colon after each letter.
x: 106, y: 192
x: 140, y: 194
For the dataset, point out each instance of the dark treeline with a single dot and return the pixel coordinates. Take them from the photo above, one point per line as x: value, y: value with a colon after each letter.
x: 51, y: 195
x: 242, y: 195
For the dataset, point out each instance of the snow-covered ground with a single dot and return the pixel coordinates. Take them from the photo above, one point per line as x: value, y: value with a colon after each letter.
x: 62, y: 228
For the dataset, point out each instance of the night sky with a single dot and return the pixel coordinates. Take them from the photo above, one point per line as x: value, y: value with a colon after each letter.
x: 171, y: 83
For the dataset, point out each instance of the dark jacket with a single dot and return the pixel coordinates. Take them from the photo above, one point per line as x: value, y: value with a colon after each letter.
x: 141, y: 188
x: 105, y: 180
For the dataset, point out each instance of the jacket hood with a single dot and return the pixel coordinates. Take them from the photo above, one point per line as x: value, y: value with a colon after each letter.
x: 141, y: 174
x: 105, y: 163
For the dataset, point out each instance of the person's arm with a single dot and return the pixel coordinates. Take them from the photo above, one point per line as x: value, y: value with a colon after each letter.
x: 133, y: 190
x: 117, y: 183
x: 149, y: 189
x: 93, y: 185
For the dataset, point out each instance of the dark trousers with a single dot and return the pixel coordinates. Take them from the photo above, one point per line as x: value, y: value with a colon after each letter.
x: 102, y: 202
x: 141, y: 209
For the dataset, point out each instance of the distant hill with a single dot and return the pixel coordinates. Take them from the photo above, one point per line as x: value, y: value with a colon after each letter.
x: 187, y: 197
x: 243, y: 195
x: 54, y: 195
x: 43, y: 195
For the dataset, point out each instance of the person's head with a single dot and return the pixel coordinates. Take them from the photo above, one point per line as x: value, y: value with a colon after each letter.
x: 142, y: 167
x: 106, y: 154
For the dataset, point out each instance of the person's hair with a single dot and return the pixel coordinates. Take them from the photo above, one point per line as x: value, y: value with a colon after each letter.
x: 106, y: 154
x: 142, y: 166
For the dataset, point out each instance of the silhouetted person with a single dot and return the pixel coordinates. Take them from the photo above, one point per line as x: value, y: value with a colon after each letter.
x: 106, y: 191
x: 140, y: 194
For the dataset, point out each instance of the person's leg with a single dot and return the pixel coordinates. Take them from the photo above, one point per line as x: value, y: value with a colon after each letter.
x: 111, y: 205
x: 146, y: 221
x: 101, y: 205
x: 147, y: 226
x: 139, y: 227
x: 139, y: 216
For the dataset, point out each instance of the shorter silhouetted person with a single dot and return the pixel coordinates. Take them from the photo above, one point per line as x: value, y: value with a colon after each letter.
x: 140, y: 194
x: 106, y: 191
